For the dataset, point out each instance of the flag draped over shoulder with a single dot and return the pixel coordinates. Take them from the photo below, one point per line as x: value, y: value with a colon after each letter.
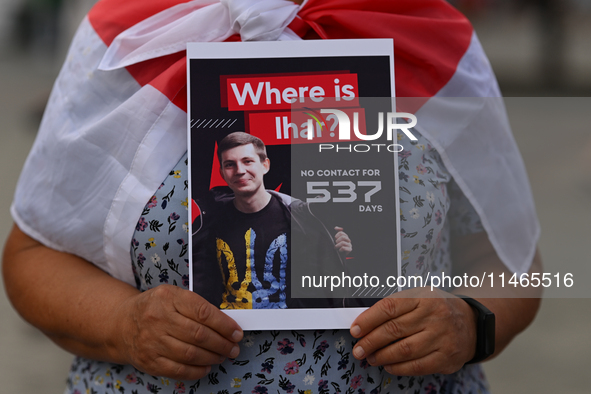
x: 116, y: 121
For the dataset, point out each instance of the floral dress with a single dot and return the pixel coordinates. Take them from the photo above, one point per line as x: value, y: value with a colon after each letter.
x: 432, y: 209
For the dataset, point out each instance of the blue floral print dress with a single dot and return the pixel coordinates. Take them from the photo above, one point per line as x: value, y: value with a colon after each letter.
x: 432, y: 209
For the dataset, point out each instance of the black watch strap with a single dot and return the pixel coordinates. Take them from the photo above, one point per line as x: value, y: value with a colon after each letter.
x: 485, y: 330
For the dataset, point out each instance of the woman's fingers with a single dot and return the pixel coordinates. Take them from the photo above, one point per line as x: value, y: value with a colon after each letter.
x: 417, y: 336
x: 410, y: 348
x: 176, y: 333
x: 202, y: 336
x: 378, y: 326
x: 186, y: 353
x: 208, y: 326
x: 387, y: 333
x: 382, y: 311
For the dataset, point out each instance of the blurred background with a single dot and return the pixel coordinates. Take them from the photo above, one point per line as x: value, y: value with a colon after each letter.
x: 541, y: 52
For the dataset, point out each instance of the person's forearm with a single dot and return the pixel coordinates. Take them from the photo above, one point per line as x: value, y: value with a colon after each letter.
x: 70, y: 300
x: 165, y: 331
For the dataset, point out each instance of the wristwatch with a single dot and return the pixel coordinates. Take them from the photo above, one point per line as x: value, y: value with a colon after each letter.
x: 485, y: 330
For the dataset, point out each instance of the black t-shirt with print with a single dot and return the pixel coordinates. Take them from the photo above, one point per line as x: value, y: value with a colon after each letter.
x: 231, y: 243
x: 252, y: 250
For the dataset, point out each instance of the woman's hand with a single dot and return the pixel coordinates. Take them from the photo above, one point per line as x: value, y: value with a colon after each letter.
x: 417, y: 332
x: 166, y: 331
x: 172, y: 332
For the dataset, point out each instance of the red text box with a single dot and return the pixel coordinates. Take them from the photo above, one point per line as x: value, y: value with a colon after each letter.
x: 277, y: 93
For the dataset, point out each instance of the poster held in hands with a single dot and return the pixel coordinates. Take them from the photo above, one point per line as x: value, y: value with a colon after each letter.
x: 321, y: 250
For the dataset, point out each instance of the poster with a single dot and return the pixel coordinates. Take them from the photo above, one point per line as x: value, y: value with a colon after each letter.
x: 323, y: 110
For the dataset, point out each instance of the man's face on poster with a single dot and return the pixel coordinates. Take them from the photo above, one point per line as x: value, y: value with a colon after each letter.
x: 243, y: 170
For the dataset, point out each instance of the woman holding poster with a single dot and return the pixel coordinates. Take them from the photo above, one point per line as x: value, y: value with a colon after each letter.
x: 106, y: 180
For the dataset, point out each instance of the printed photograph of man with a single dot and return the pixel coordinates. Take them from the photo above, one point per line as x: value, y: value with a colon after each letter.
x: 250, y: 240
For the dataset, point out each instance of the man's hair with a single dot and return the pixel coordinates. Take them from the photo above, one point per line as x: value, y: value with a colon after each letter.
x: 239, y: 138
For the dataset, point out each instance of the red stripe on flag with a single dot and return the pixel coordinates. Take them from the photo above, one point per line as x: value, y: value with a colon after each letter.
x: 430, y: 38
x: 168, y: 74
